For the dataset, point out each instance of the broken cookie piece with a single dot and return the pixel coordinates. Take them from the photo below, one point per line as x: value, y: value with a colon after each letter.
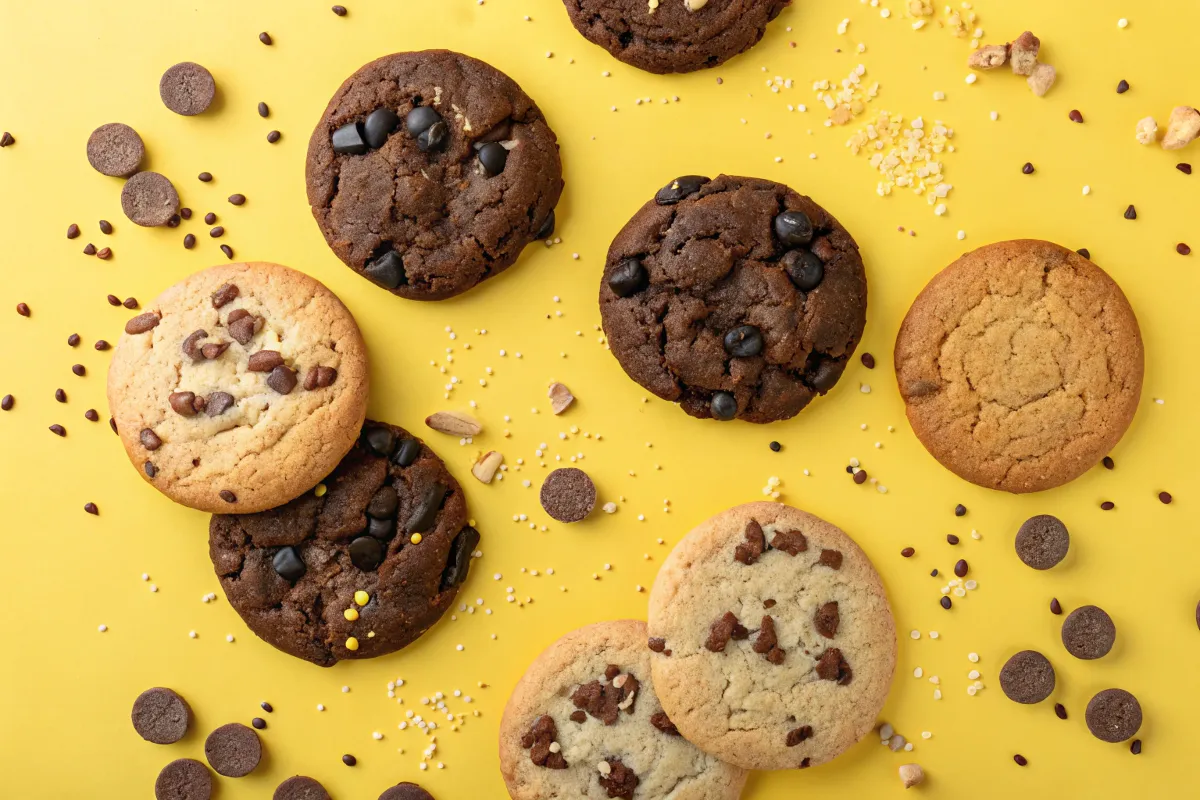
x: 1041, y: 79
x: 1182, y: 128
x: 1023, y: 53
x: 989, y: 56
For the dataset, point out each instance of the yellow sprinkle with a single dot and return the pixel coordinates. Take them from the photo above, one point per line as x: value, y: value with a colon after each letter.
x: 350, y: 614
x: 416, y: 538
x: 352, y: 643
x: 361, y: 597
x: 320, y: 490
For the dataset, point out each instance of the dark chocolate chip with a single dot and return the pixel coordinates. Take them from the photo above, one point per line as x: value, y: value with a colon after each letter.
x: 384, y: 503
x: 795, y: 737
x: 951, y: 538
x: 1184, y: 167
x: 60, y: 395
x: 1136, y: 747
x: 58, y: 430
x: 1075, y: 115
x: 407, y: 452
x: 775, y: 447
x: 458, y: 563
x: 91, y: 415
x: 420, y: 119
x: 282, y: 379
x: 259, y: 723
x: 546, y: 229
x: 1028, y: 169
x: 339, y: 10
x: 265, y: 706
x: 804, y: 269
x: 366, y: 553
x: 425, y: 514
x: 1060, y: 711
x: 273, y: 137
x: 106, y: 227
x: 227, y: 496
x: 242, y: 326
x: 381, y: 123
x: 264, y: 110
x: 217, y: 232
x: 349, y: 760
x: 1055, y: 606
x: 744, y: 341
x: 91, y: 509
x: 265, y: 38
x: 679, y: 188
x: 218, y: 403
x: 628, y: 278
x: 383, y: 529
x: 101, y: 345
x: 6, y: 403
x: 225, y: 293
x: 656, y: 644
x: 150, y: 469
x: 1122, y: 86
x: 825, y: 376
x: 189, y: 241
x: 387, y: 270
x: 381, y: 440
x: 289, y: 565
x: 1083, y: 251
x: 1027, y: 677
x: 793, y: 228
x: 1164, y: 498
x: 264, y: 361
x: 492, y: 156
x: 79, y: 369
x: 150, y: 439
x: 1131, y: 212
x: 349, y: 140
x: 723, y: 406
x: 1020, y: 760
x: 867, y: 360
x: 960, y: 568
x: 946, y: 602
x: 1088, y: 632
x: 434, y: 138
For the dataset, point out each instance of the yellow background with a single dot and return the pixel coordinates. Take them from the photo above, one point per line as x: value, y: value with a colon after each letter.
x: 66, y: 690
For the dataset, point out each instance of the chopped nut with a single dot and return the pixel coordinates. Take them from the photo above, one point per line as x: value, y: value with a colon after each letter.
x: 911, y: 775
x: 988, y: 57
x: 1182, y: 128
x: 1041, y: 79
x: 455, y: 423
x: 1147, y: 130
x: 560, y: 397
x: 486, y: 466
x: 1024, y: 52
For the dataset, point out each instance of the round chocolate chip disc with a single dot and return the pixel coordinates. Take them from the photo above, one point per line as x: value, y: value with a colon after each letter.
x: 233, y: 750
x: 115, y: 150
x: 1042, y: 541
x: 1114, y: 715
x: 187, y: 89
x: 405, y: 791
x: 299, y: 787
x: 1027, y: 677
x: 161, y: 716
x: 149, y: 199
x: 568, y: 494
x: 183, y: 779
x: 1088, y: 632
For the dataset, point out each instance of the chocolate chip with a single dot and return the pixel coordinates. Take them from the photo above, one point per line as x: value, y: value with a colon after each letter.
x: 546, y: 228
x: 184, y: 779
x: 1042, y: 541
x: 1075, y: 116
x: 6, y: 403
x: 349, y: 140
x: 1055, y: 606
x: 1060, y: 711
x: 723, y: 406
x: 381, y: 123
x: 227, y: 496
x: 116, y: 150
x: 868, y: 360
x: 233, y: 750
x: 349, y: 760
x: 264, y: 111
x: 366, y: 553
x: 264, y: 361
x: 259, y: 723
x: 282, y: 379
x: 1021, y: 760
x: 831, y: 559
x: 187, y: 89
x: 960, y: 510
x: 319, y: 378
x: 60, y: 395
x: 568, y: 494
x: 766, y: 643
x: 628, y: 278
x: 149, y: 199
x: 679, y: 188
x: 434, y: 138
x: 1027, y: 677
x: 218, y: 403
x: 662, y: 722
x: 775, y: 447
x: 960, y: 568
x: 908, y: 552
x: 425, y: 514
x: 620, y: 780
x: 826, y: 373
x: 1088, y: 632
x: 183, y: 403
x: 407, y: 452
x: 213, y: 350
x: 143, y: 322
x: 6, y: 139
x: 1184, y: 167
x: 951, y: 538
x: 106, y: 227
x: 217, y: 232
x: 58, y: 430
x: 656, y: 644
x: 225, y: 293
x: 1131, y: 212
x: 101, y: 345
x: 265, y: 38
x: 537, y: 741
x: 832, y: 667
x: 382, y: 529
x: 611, y: 671
x: 91, y: 416
x: 804, y: 269
x: 793, y: 228
x: 1122, y: 86
x: 161, y: 716
x: 748, y: 551
x: 860, y: 476
x: 273, y: 137
x: 339, y: 10
x: 79, y: 369
x: 387, y: 270
x: 1136, y: 747
x: 492, y: 157
x: 798, y: 735
x: 1113, y: 715
x: 458, y: 563
x: 1183, y: 249
x: 189, y: 241
x: 242, y: 327
x: 720, y: 632
x: 420, y: 119
x: 744, y: 341
x: 205, y: 177
x: 91, y: 509
x: 149, y: 469
x: 265, y: 706
x: 384, y: 503
x: 827, y: 619
x: 381, y: 440
x: 1083, y: 251
x: 289, y: 565
x: 1028, y: 169
x: 104, y: 253
x: 150, y: 439
x: 790, y: 542
x: 1164, y: 498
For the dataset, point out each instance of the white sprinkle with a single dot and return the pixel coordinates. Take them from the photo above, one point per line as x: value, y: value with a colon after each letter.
x: 864, y: 388
x: 973, y: 658
x: 377, y: 736
x: 935, y: 680
x: 962, y: 235
x: 973, y: 674
x: 995, y: 116
x: 458, y: 648
x: 1087, y: 189
x: 971, y: 78
x: 145, y: 577
x: 971, y: 690
x: 937, y: 694
x: 229, y: 637
x: 102, y: 628
x: 320, y: 707
x: 918, y: 672
x: 933, y: 634
x: 1122, y: 23
x: 345, y: 690
x: 916, y: 634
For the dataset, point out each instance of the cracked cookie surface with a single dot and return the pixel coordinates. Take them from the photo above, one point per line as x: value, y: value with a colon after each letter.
x: 584, y: 722
x: 1020, y: 365
x: 410, y: 202
x: 390, y: 521
x: 673, y: 35
x: 773, y: 641
x: 239, y: 387
x: 709, y: 300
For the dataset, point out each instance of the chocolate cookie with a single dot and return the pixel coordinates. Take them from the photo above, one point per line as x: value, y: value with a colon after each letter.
x: 115, y: 149
x: 233, y: 750
x: 1113, y: 715
x: 1020, y: 365
x: 359, y: 567
x: 405, y: 791
x: 161, y: 716
x: 149, y: 199
x: 299, y: 787
x: 674, y: 35
x: 183, y: 779
x: 429, y: 172
x: 1042, y: 541
x: 735, y: 297
x: 239, y: 388
x: 1027, y: 677
x: 584, y: 722
x: 773, y: 644
x: 187, y: 89
x: 568, y: 494
x: 1088, y: 632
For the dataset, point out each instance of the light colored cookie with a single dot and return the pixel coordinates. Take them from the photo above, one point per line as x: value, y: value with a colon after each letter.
x: 604, y: 668
x: 1020, y: 365
x: 267, y: 446
x: 819, y: 688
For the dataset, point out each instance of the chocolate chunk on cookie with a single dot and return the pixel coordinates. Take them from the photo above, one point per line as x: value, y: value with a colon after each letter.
x: 161, y: 716
x: 1027, y: 677
x: 183, y: 779
x: 568, y: 494
x: 706, y: 300
x: 115, y: 149
x: 300, y: 787
x: 673, y: 35
x: 1042, y: 541
x: 149, y: 199
x: 233, y: 750
x: 405, y: 791
x: 338, y: 573
x: 1088, y: 632
x: 187, y: 89
x: 430, y: 172
x: 1113, y: 715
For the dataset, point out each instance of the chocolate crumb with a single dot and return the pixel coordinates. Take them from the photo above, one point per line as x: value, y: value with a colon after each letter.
x: 660, y: 720
x: 795, y: 737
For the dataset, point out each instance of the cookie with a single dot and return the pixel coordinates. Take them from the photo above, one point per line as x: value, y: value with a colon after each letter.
x: 300, y: 787
x: 1020, y: 365
x: 773, y: 644
x: 183, y: 779
x: 405, y: 791
x: 115, y: 150
x: 673, y: 35
x: 240, y: 387
x: 735, y: 297
x: 1027, y: 677
x: 1042, y: 541
x: 359, y: 567
x: 584, y: 722
x: 568, y: 494
x: 161, y: 716
x: 1113, y: 715
x: 149, y: 199
x: 187, y: 89
x: 233, y: 750
x: 1088, y: 632
x: 429, y: 172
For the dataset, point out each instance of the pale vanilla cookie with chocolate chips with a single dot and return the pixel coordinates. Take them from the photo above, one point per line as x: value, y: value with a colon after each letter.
x: 239, y: 388
x: 772, y: 639
x: 1020, y: 365
x: 584, y: 722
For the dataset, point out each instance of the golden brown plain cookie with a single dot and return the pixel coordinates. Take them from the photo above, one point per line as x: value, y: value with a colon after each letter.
x: 584, y: 722
x: 239, y: 388
x: 1020, y: 365
x: 773, y: 642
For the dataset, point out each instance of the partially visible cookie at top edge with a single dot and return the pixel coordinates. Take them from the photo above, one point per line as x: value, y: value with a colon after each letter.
x: 430, y: 172
x: 1002, y: 410
x: 736, y: 298
x: 240, y: 387
x: 405, y: 791
x: 766, y: 599
x: 584, y: 721
x: 663, y: 36
x: 300, y: 787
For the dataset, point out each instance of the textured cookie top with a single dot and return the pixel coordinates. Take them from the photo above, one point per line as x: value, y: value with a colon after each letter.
x: 735, y: 297
x: 430, y: 171
x: 389, y: 522
x: 674, y: 35
x: 1020, y: 365
x: 773, y: 642
x: 240, y: 387
x: 588, y: 700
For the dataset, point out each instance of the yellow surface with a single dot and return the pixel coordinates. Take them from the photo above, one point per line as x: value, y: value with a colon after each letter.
x: 66, y: 689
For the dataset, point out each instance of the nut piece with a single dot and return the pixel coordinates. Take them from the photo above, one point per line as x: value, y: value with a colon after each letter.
x: 455, y: 423
x: 486, y: 465
x: 1042, y: 79
x: 1147, y: 131
x: 911, y: 775
x: 560, y: 397
x: 1024, y: 52
x: 1182, y: 128
x: 988, y: 57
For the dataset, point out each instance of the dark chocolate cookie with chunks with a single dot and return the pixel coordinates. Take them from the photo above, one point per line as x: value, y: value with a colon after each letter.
x: 735, y: 297
x: 584, y: 722
x: 674, y: 35
x: 429, y: 172
x: 772, y: 641
x: 358, y: 567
